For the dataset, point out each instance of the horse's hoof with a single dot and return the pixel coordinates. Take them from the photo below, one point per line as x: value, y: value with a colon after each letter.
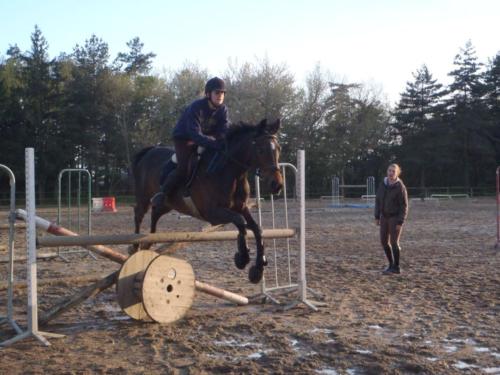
x: 241, y: 260
x: 255, y: 274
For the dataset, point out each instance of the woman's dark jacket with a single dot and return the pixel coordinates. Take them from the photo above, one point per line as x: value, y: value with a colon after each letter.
x: 392, y: 201
x: 201, y: 124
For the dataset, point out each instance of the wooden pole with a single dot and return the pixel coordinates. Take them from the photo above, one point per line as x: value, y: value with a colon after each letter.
x: 57, y: 230
x: 67, y: 303
x: 220, y: 293
x: 120, y: 239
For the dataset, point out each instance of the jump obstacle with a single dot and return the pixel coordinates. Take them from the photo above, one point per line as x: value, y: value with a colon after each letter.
x: 9, y: 318
x: 369, y: 197
x: 69, y: 209
x: 272, y: 285
x: 146, y: 276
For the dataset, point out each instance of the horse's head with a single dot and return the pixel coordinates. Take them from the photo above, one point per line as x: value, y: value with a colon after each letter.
x: 267, y: 154
x: 256, y: 146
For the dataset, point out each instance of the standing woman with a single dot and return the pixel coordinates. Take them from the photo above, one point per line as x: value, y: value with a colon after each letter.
x: 391, y: 209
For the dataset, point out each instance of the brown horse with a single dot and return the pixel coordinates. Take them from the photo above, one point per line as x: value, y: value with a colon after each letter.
x: 220, y: 196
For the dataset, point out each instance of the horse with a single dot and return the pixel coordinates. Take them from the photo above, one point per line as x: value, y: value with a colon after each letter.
x: 219, y: 196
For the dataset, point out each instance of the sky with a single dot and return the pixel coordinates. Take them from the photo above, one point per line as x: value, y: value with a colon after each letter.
x: 379, y: 43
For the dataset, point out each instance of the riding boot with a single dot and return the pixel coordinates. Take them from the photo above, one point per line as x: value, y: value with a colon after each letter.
x: 166, y: 189
x: 396, y: 252
x: 388, y: 254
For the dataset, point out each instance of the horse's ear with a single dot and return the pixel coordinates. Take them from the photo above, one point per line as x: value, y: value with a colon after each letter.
x: 273, y: 127
x: 262, y: 125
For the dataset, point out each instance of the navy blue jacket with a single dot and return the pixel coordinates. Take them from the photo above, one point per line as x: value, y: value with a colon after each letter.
x: 200, y: 121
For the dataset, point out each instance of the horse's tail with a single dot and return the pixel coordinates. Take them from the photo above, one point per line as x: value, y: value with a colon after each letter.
x: 138, y: 157
x: 133, y: 172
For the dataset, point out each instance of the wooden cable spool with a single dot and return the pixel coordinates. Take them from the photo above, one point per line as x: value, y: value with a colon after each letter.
x: 153, y: 287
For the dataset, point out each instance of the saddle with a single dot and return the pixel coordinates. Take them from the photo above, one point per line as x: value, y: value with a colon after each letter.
x: 193, y: 166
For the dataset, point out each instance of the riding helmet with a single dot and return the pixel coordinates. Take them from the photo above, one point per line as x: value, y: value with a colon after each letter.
x: 215, y: 84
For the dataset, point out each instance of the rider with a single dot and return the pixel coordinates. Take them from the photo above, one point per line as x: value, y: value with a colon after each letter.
x: 203, y: 123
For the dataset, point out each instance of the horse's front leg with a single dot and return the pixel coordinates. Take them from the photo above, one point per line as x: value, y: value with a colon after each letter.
x: 225, y: 215
x: 257, y: 270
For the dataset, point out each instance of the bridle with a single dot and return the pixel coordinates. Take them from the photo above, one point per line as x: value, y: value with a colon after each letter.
x: 272, y: 168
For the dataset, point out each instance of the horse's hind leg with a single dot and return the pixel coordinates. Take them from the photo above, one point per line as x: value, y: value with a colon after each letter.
x: 140, y: 210
x: 156, y: 213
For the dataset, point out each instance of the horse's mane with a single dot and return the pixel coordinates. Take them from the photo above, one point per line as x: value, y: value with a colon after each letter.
x: 240, y: 129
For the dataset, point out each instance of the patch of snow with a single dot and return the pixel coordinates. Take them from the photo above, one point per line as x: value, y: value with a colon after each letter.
x: 258, y: 355
x: 481, y: 350
x: 120, y: 318
x: 375, y: 326
x: 450, y: 348
x: 327, y: 371
x: 255, y: 355
x: 471, y: 342
x: 462, y: 365
x: 432, y: 359
x: 362, y: 351
x: 321, y: 330
x: 233, y: 342
x: 491, y: 370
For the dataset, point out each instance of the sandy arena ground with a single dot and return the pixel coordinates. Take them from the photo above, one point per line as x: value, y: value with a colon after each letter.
x: 441, y: 316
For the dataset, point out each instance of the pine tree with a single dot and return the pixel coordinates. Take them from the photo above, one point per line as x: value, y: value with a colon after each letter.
x: 12, y: 114
x: 492, y: 98
x: 41, y: 110
x: 466, y: 116
x: 418, y: 130
x: 466, y: 85
x: 136, y: 62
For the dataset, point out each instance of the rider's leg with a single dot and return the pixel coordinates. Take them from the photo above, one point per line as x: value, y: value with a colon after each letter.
x: 183, y: 152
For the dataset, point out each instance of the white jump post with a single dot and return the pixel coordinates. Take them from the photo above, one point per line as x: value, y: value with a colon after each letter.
x: 301, y: 284
x: 9, y: 318
x: 370, y: 190
x: 31, y: 280
x: 335, y: 191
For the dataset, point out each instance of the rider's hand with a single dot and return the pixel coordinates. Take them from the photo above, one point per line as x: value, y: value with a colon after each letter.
x: 377, y: 222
